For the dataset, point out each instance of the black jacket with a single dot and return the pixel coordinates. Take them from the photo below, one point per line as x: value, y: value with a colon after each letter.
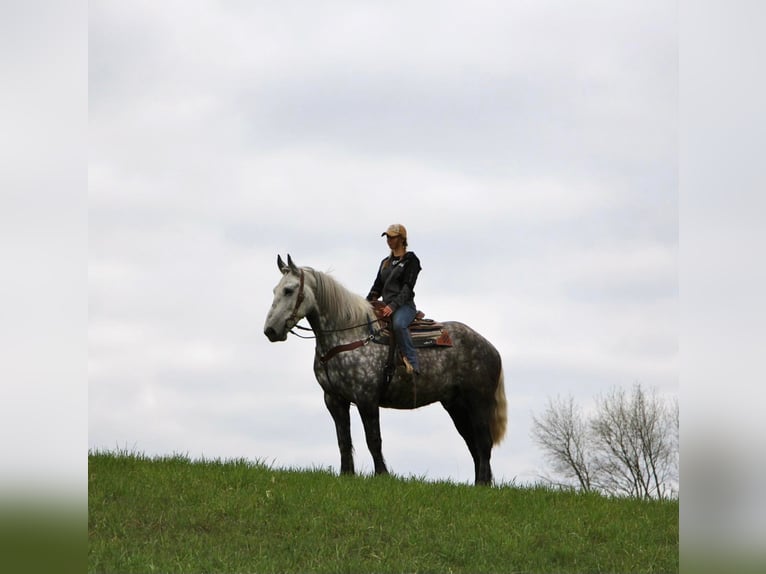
x: 395, y: 281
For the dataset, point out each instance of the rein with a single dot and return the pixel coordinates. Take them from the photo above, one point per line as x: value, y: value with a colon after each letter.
x: 302, y: 328
x: 294, y: 315
x: 337, y: 349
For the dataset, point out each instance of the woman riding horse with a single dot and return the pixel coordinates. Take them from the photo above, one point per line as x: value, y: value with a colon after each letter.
x: 395, y: 283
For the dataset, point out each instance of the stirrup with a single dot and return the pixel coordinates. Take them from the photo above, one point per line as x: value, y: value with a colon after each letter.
x: 408, y: 366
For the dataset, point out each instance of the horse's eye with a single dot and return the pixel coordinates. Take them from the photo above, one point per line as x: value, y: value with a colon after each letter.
x: 288, y: 291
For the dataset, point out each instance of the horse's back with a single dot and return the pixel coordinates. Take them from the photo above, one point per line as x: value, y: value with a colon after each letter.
x: 471, y: 363
x: 467, y: 341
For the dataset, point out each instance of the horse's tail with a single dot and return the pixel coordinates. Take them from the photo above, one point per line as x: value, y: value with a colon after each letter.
x: 500, y: 412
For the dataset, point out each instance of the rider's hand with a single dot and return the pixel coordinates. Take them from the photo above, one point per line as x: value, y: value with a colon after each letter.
x: 387, y: 311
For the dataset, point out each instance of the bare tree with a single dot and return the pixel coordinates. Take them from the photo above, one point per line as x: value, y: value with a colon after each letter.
x: 562, y: 433
x: 629, y: 447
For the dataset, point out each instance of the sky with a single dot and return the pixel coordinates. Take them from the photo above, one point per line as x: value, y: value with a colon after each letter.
x: 530, y: 148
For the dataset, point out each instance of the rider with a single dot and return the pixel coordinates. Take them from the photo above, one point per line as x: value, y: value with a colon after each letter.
x: 395, y: 283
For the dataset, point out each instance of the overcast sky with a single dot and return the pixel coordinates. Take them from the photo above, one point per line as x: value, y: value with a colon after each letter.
x: 529, y: 147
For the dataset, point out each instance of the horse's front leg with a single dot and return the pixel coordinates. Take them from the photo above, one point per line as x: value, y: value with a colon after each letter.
x: 370, y: 414
x: 339, y: 409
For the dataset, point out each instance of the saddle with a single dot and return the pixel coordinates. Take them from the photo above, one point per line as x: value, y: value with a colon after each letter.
x: 424, y: 332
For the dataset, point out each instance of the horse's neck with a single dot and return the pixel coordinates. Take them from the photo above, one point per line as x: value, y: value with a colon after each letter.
x: 316, y: 323
x: 332, y: 319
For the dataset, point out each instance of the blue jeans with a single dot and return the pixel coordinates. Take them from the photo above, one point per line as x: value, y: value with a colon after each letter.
x: 401, y: 320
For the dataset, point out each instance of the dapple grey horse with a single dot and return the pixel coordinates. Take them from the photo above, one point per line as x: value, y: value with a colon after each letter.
x: 467, y: 378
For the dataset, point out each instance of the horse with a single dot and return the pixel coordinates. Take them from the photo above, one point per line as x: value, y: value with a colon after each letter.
x: 466, y: 378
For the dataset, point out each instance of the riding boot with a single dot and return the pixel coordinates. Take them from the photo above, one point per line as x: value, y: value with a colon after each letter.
x: 408, y: 368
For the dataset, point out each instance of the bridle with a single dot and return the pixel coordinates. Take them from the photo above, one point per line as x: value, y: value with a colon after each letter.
x: 298, y: 301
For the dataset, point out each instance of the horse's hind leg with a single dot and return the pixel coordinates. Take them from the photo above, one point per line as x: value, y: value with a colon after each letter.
x: 339, y: 409
x: 483, y: 435
x: 371, y: 420
x: 458, y: 412
x: 474, y: 429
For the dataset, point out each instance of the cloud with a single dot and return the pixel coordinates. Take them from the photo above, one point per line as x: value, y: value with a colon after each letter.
x: 529, y: 148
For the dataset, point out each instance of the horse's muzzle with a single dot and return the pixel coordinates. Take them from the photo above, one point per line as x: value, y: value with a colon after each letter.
x: 273, y: 336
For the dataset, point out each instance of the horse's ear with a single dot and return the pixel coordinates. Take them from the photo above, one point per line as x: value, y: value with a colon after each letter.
x: 281, y: 264
x: 292, y: 265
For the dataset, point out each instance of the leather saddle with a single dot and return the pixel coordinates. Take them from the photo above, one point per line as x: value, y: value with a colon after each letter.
x: 424, y: 332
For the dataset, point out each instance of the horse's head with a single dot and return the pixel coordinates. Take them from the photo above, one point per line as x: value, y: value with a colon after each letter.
x: 292, y: 301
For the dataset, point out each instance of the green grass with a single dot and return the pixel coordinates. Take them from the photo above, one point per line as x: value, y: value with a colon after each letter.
x: 172, y: 514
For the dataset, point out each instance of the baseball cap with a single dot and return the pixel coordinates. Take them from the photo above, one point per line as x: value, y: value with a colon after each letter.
x: 394, y: 230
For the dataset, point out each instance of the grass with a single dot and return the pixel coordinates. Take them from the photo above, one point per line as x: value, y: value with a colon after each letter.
x: 172, y: 514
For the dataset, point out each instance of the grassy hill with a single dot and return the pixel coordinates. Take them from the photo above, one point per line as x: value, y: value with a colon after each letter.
x: 172, y: 514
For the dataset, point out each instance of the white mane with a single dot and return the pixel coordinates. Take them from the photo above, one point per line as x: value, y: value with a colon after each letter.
x: 338, y: 304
